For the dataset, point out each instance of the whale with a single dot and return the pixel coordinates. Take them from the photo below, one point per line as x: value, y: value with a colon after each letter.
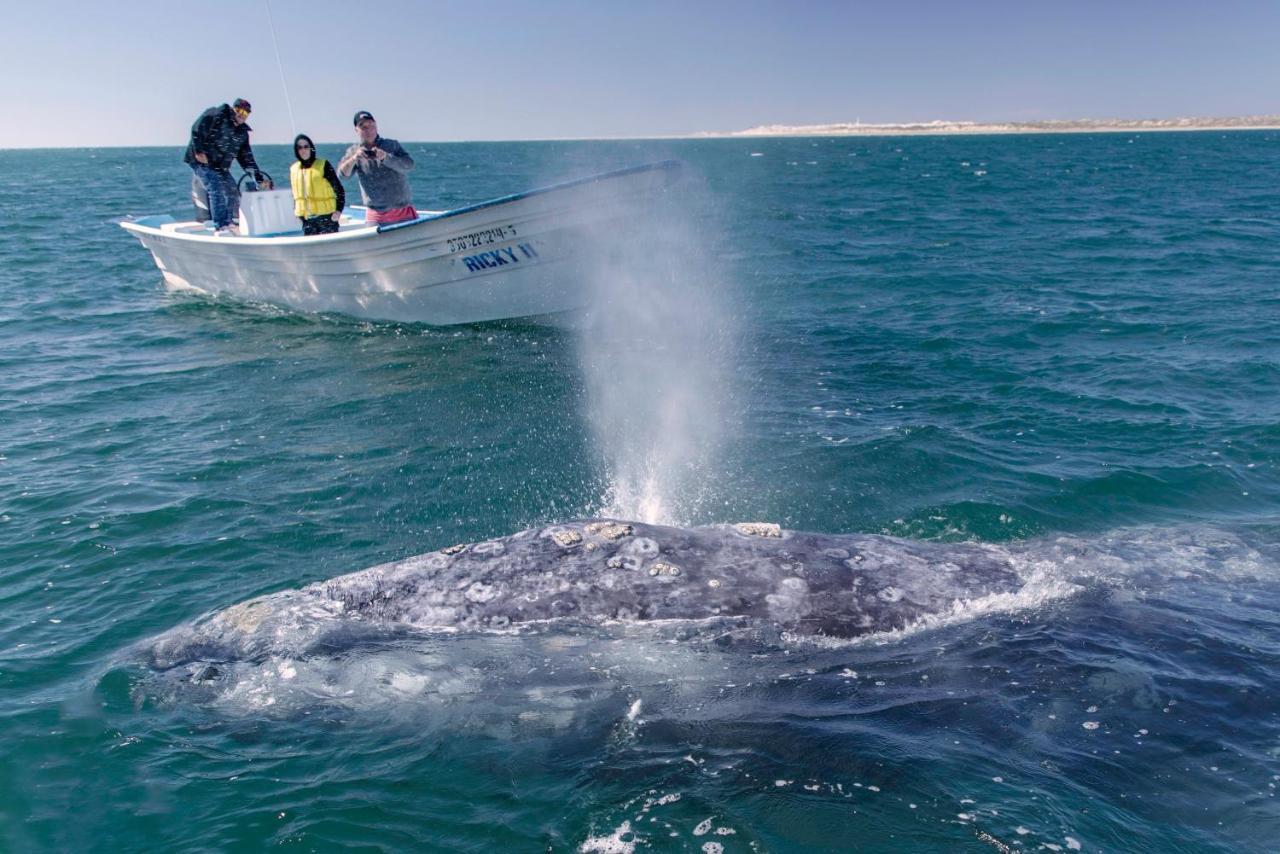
x: 601, y: 645
x: 555, y: 627
x: 599, y: 571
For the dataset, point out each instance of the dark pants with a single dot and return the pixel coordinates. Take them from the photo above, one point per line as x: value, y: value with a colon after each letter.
x: 319, y: 225
x: 219, y: 191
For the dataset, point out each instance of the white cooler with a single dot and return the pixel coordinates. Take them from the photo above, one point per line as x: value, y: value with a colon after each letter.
x: 264, y: 212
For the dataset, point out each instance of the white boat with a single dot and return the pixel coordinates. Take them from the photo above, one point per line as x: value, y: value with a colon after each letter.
x: 524, y: 255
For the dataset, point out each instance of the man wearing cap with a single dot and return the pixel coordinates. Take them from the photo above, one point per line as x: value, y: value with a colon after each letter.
x: 382, y: 166
x: 219, y: 137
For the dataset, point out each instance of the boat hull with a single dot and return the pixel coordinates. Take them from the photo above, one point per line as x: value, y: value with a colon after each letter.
x: 527, y: 255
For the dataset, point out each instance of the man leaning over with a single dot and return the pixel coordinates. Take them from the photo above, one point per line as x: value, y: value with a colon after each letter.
x: 219, y: 137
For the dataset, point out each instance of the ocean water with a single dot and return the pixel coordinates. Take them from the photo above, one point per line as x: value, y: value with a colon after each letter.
x: 1067, y: 346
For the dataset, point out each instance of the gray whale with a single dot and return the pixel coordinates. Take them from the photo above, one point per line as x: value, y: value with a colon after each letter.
x: 602, y: 570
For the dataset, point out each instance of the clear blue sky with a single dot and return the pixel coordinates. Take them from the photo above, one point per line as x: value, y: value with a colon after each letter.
x: 137, y: 73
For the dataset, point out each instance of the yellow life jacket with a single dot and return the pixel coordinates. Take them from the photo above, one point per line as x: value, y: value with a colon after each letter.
x: 312, y: 194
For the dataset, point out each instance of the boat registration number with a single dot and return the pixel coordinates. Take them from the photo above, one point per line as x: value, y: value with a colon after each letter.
x: 487, y: 237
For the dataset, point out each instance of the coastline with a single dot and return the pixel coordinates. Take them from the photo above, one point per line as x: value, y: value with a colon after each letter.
x: 962, y: 128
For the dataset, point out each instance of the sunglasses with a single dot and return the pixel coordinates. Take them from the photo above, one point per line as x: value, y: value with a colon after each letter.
x: 302, y: 146
x: 242, y: 112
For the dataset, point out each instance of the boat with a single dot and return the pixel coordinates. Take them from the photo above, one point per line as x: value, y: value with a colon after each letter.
x: 531, y: 254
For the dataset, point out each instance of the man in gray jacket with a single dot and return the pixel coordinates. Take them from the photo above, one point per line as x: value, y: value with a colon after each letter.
x: 382, y: 166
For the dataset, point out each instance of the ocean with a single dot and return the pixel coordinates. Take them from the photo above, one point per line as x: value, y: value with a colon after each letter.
x: 1064, y: 346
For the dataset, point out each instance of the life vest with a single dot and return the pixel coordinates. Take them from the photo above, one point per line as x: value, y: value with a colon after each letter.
x: 312, y: 194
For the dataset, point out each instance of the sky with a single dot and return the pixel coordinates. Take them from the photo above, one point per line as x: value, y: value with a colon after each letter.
x: 139, y: 72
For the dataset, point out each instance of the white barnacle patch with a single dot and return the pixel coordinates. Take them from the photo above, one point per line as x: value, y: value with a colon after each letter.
x: 616, y: 562
x: 759, y: 529
x: 664, y: 569
x: 713, y: 583
x: 453, y: 550
x: 609, y: 530
x: 565, y: 537
x: 890, y: 594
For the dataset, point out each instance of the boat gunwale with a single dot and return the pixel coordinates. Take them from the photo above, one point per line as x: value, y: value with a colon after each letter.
x: 364, y: 233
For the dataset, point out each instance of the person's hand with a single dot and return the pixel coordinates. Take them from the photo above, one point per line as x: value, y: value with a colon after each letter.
x: 336, y: 216
x: 202, y: 158
x: 266, y: 182
x: 378, y: 154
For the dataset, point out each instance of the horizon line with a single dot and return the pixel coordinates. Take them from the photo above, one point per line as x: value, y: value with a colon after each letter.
x: 935, y: 127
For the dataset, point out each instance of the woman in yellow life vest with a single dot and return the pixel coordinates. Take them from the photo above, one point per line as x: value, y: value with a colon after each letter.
x: 318, y: 197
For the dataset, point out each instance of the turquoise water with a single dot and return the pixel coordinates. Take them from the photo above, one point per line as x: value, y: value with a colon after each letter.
x: 1065, y: 342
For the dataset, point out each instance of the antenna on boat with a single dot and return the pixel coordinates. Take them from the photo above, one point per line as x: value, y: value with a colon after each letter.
x: 284, y: 83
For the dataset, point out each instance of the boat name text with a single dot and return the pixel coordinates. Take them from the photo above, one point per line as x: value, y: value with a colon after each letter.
x: 500, y: 257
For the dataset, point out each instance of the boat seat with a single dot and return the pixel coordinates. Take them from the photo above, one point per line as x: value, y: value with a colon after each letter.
x: 185, y: 227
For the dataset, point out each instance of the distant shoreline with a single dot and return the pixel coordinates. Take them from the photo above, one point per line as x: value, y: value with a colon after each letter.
x: 958, y: 128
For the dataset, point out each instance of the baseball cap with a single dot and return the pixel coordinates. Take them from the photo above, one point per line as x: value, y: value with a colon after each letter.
x: 242, y: 104
x: 361, y: 116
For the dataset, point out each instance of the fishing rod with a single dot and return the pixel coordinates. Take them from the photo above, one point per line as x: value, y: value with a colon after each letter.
x: 283, y: 82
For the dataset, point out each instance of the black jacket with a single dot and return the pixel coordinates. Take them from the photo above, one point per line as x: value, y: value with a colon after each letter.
x: 217, y: 135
